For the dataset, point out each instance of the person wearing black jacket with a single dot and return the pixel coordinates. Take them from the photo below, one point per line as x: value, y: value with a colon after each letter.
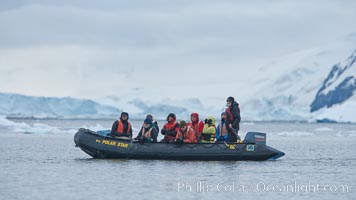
x: 233, y: 119
x: 148, y: 132
x: 122, y: 127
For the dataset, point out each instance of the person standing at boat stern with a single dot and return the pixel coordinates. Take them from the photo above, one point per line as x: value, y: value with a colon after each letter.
x: 209, y: 131
x: 185, y: 134
x: 233, y: 119
x: 148, y: 133
x: 122, y: 127
x: 170, y: 129
x: 221, y: 131
x: 196, y: 124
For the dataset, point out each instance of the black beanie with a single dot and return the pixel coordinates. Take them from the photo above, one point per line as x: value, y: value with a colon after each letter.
x: 171, y: 115
x: 231, y: 99
x: 125, y: 113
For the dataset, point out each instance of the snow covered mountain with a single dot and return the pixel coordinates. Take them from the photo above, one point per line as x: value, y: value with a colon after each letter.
x: 309, y: 85
x: 336, y: 100
x: 338, y: 86
x: 293, y: 86
x: 16, y: 105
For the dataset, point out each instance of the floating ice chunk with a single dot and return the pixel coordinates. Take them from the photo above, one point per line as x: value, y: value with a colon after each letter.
x: 323, y: 129
x: 248, y: 123
x: 5, y: 122
x: 21, y: 127
x: 294, y: 133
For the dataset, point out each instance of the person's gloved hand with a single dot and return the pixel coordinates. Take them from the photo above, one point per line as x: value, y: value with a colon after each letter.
x: 199, y: 138
x: 141, y: 140
x: 164, y: 131
x: 227, y: 125
x: 179, y: 141
x: 172, y: 133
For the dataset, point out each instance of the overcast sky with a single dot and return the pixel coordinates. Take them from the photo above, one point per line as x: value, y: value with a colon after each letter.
x: 90, y: 49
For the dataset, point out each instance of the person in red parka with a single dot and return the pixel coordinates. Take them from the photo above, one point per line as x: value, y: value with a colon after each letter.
x: 185, y: 134
x: 197, y: 125
x: 170, y: 129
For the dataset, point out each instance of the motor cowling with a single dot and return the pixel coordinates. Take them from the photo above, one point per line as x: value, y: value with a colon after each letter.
x: 256, y: 137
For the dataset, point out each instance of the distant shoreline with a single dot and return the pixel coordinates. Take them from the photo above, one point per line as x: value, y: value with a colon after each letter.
x: 141, y: 119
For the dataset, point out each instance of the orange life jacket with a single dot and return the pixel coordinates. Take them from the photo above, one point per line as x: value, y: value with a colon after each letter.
x: 198, y: 127
x: 120, y: 127
x: 170, y: 125
x: 188, y: 137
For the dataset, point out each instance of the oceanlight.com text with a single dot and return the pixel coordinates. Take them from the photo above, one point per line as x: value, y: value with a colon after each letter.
x: 294, y: 187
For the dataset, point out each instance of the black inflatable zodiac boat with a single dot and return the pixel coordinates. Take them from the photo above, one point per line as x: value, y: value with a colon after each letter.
x: 98, y: 145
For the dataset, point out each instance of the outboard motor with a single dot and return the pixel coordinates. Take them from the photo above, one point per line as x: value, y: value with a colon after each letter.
x: 256, y: 137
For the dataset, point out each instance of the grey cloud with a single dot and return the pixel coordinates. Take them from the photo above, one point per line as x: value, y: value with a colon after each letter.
x: 107, y: 38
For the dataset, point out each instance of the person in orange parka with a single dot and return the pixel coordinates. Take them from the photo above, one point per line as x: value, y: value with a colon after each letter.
x: 185, y: 134
x: 170, y: 129
x: 197, y: 125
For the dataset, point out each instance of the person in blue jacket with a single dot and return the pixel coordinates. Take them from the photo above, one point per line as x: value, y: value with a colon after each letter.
x: 221, y: 131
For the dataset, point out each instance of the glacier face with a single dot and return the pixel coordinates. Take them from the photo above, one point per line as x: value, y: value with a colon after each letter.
x: 339, y: 85
x: 16, y: 105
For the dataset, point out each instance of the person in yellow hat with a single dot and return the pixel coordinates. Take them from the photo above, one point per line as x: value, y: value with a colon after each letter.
x: 209, y: 131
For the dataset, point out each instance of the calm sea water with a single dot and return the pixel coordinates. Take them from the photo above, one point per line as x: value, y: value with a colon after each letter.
x: 319, y: 164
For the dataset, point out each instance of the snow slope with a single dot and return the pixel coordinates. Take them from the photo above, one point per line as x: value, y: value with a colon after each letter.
x: 285, y: 89
x: 339, y: 85
x: 336, y: 99
x: 139, y: 107
x: 344, y: 112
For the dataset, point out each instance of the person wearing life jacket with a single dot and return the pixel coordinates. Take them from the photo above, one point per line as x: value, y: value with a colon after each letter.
x: 209, y: 131
x: 155, y: 123
x: 148, y: 132
x: 233, y: 119
x: 170, y: 129
x: 196, y: 124
x: 122, y: 127
x: 185, y: 134
x: 221, y: 131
